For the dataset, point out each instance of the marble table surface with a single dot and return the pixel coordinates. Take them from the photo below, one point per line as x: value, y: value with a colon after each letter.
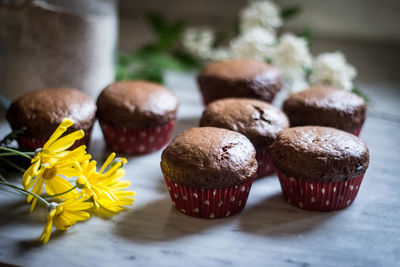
x: 268, y: 232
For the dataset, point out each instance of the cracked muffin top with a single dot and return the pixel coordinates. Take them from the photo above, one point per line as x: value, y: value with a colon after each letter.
x: 259, y: 121
x: 208, y: 157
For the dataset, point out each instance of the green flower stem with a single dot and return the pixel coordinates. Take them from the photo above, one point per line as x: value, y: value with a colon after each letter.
x: 25, y: 192
x: 8, y: 154
x: 13, y: 165
x: 16, y: 152
x: 56, y: 195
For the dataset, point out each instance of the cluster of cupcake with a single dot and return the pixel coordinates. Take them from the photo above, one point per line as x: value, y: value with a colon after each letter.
x: 209, y: 169
x: 137, y: 117
x: 320, y: 161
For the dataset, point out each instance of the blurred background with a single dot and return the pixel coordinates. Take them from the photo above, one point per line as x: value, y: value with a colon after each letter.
x: 76, y: 43
x: 366, y: 21
x: 366, y: 31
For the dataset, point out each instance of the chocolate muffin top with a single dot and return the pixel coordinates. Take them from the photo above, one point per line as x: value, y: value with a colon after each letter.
x: 256, y: 119
x: 208, y: 157
x: 43, y: 110
x: 240, y: 78
x: 319, y: 154
x: 326, y: 106
x: 136, y: 104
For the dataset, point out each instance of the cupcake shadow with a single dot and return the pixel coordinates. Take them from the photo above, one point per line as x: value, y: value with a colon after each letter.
x: 275, y: 217
x: 17, y: 211
x: 160, y: 221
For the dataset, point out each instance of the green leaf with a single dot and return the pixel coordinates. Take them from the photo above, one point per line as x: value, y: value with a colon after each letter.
x: 308, y: 72
x: 152, y: 60
x: 167, y: 33
x: 358, y: 92
x: 290, y: 12
x: 171, y: 36
x: 306, y: 34
x: 188, y: 61
x: 156, y: 22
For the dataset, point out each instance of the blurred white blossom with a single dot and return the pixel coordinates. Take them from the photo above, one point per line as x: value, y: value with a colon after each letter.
x: 220, y: 53
x: 198, y: 41
x: 260, y: 13
x: 295, y: 84
x: 333, y: 69
x: 292, y: 55
x: 254, y: 44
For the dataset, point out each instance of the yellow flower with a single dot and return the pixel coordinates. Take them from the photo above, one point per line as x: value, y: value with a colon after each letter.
x: 105, y: 188
x: 54, y: 149
x: 64, y: 215
x: 54, y: 175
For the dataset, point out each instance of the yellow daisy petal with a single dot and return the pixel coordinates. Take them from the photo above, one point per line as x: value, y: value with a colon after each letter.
x: 66, y: 142
x: 58, y: 132
x: 58, y: 185
x: 29, y: 173
x: 107, y: 162
x: 45, y: 236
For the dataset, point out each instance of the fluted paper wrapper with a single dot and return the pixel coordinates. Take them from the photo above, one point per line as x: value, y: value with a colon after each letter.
x: 319, y: 196
x: 209, y: 203
x: 137, y: 141
x: 265, y: 165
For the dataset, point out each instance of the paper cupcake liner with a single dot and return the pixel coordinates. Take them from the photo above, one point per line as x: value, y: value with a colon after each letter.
x: 265, y: 166
x: 319, y: 196
x: 209, y: 203
x: 137, y: 141
x: 29, y: 143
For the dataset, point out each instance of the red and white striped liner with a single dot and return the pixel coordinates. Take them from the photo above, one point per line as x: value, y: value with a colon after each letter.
x: 209, y: 203
x: 265, y: 165
x: 30, y: 143
x: 319, y: 196
x: 137, y: 141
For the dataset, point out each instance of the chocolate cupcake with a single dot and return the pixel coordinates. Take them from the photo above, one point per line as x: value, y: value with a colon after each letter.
x: 43, y: 110
x: 209, y: 171
x: 259, y: 121
x: 136, y: 117
x: 239, y: 78
x: 327, y: 106
x: 319, y: 168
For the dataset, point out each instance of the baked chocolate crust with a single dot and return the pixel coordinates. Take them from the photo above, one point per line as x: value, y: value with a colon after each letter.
x: 259, y: 121
x: 319, y: 154
x: 208, y: 157
x: 326, y: 106
x: 239, y: 78
x: 43, y: 110
x: 136, y: 104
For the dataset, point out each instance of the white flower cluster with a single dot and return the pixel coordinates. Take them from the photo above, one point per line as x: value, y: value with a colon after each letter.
x: 260, y: 14
x: 255, y: 43
x: 333, y: 69
x: 292, y: 56
x: 257, y: 40
x: 198, y: 42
